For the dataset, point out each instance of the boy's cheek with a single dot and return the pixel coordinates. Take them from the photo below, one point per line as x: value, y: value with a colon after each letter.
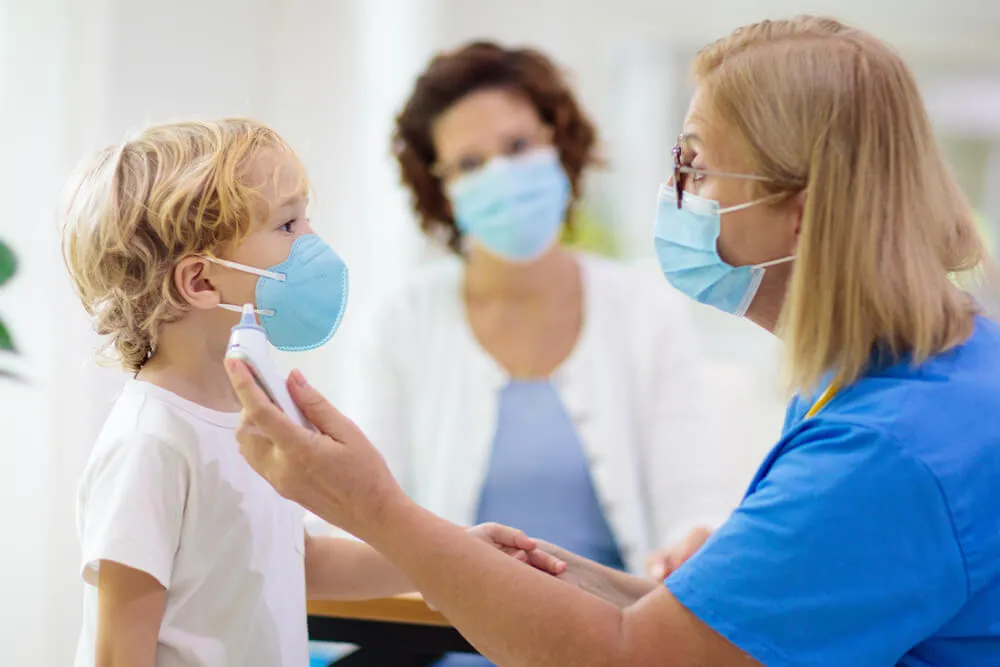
x: 237, y: 289
x: 246, y: 290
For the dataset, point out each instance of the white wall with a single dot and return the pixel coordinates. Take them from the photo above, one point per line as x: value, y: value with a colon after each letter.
x: 31, y: 113
x: 329, y: 74
x: 338, y: 96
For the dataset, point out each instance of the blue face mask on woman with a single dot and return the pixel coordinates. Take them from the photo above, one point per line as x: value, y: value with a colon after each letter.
x: 686, y: 241
x: 514, y: 206
x: 302, y: 300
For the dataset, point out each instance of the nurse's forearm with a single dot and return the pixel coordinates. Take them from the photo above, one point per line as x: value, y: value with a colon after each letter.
x: 514, y: 614
x: 619, y: 588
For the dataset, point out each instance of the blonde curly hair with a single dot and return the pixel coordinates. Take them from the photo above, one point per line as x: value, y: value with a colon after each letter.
x: 134, y: 210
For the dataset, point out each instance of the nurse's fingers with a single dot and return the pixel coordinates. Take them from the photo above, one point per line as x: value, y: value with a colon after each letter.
x: 259, y: 409
x: 252, y: 436
x: 320, y: 412
x: 659, y: 565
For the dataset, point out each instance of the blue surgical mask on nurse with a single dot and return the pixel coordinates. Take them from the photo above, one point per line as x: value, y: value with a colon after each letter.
x: 686, y: 242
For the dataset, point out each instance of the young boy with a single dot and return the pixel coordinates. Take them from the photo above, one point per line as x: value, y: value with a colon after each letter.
x: 191, y: 558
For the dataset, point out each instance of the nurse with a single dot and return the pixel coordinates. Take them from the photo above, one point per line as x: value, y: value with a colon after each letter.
x: 808, y: 194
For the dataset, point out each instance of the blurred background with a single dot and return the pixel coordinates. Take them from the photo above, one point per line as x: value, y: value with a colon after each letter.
x: 329, y: 75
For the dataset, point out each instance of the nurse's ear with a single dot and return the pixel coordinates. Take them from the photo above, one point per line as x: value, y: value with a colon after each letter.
x: 798, y: 203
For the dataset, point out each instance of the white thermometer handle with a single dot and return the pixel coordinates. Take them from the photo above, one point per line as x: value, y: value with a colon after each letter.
x: 248, y: 342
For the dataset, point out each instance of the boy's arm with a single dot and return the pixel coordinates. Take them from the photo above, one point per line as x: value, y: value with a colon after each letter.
x: 345, y: 569
x: 132, y: 511
x: 129, y: 612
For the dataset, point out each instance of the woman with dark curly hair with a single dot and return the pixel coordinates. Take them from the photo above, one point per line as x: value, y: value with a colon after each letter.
x: 489, y: 381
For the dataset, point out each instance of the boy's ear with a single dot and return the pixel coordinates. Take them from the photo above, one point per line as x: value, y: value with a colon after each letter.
x: 192, y: 282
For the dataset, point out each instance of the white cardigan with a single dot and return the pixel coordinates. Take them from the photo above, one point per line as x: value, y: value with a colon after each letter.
x: 426, y: 393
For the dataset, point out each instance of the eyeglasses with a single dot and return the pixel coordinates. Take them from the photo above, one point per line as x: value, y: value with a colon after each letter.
x: 681, y: 171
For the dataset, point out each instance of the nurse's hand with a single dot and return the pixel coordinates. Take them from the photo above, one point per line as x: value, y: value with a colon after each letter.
x: 334, y: 471
x: 619, y: 588
x: 660, y: 564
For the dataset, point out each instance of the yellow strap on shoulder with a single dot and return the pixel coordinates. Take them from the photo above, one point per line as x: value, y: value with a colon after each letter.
x: 824, y: 398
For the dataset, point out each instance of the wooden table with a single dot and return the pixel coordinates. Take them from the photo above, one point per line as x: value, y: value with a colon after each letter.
x: 391, y: 632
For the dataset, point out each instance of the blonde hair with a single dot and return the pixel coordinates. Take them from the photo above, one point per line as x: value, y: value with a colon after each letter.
x: 136, y: 209
x: 831, y: 111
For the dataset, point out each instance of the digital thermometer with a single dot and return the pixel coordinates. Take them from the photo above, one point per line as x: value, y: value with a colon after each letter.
x: 248, y: 343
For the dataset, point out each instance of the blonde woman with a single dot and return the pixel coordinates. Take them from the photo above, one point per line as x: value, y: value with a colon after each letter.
x: 808, y: 195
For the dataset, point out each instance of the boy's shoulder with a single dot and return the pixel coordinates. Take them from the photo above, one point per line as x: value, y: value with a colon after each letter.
x: 147, y: 421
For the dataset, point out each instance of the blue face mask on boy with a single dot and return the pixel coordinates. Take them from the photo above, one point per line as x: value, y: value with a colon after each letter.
x: 514, y: 206
x: 302, y: 300
x: 686, y: 247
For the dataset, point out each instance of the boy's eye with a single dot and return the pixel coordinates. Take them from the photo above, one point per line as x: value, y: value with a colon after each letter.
x: 287, y: 227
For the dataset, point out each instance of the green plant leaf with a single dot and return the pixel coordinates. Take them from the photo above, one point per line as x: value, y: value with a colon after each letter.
x: 8, y: 263
x: 6, y: 342
x: 10, y: 375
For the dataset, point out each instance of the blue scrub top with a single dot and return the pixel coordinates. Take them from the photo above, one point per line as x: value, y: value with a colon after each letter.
x: 871, y: 533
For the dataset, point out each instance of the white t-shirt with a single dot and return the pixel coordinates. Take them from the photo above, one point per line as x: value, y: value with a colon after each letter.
x: 167, y: 492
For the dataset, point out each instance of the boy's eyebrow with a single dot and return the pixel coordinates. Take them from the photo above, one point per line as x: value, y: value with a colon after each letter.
x: 292, y: 199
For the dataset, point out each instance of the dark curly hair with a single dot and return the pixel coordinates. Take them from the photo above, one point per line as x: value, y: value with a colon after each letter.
x: 451, y: 76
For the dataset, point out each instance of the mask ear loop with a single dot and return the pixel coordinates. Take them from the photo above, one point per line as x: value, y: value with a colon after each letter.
x: 266, y: 312
x: 264, y: 273
x: 740, y: 207
x: 765, y: 265
x: 756, y: 276
x: 757, y: 272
